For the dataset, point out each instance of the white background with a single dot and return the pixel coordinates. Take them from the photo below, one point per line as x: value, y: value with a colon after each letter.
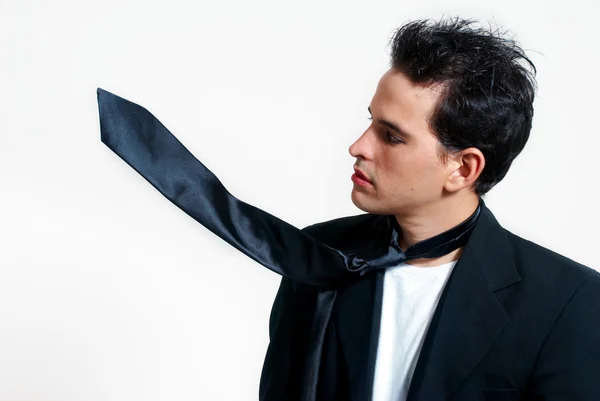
x: 110, y: 292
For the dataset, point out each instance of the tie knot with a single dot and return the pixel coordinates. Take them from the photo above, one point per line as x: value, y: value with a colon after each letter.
x: 393, y: 256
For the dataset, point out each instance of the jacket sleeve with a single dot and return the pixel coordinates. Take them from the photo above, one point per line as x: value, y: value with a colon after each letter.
x: 568, y: 366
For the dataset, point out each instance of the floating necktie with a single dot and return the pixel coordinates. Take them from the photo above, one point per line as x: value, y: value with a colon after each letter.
x: 144, y: 143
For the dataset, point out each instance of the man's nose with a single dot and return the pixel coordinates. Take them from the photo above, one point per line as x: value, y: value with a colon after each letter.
x: 361, y: 148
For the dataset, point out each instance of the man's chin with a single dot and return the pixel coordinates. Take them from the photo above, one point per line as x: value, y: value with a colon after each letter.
x: 359, y: 200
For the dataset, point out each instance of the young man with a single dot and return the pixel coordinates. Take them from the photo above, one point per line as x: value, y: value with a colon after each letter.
x: 426, y: 296
x: 497, y: 318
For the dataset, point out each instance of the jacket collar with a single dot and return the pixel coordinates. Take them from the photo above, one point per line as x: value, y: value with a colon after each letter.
x: 466, y: 322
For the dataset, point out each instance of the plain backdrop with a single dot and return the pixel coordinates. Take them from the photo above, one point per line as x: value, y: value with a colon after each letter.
x: 108, y: 292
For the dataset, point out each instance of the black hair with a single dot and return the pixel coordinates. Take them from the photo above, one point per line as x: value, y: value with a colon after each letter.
x: 487, y: 91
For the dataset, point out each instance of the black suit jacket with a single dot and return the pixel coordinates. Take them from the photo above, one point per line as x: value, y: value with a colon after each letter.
x: 516, y: 321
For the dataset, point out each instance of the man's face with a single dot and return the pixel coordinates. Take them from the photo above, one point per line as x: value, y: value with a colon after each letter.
x: 403, y: 166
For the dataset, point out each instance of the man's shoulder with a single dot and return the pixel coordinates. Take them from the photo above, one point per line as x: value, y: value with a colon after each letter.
x: 535, y: 259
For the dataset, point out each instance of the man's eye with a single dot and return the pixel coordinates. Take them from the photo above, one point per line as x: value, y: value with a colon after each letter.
x: 388, y: 135
x: 392, y: 138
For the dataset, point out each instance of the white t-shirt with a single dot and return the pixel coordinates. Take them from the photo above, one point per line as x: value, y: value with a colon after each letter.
x: 410, y: 296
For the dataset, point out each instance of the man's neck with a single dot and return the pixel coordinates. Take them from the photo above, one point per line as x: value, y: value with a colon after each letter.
x: 434, y: 219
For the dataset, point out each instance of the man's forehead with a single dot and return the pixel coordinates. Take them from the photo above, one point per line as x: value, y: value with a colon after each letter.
x: 395, y: 94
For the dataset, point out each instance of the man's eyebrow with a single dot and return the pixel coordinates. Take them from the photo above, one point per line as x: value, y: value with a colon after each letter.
x: 390, y: 125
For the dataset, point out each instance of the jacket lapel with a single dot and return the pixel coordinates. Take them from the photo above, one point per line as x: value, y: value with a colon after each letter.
x: 469, y: 317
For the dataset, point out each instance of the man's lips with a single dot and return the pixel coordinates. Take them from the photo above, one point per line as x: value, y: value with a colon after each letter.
x: 362, y: 175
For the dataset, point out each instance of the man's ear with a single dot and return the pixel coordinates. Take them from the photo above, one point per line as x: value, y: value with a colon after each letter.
x: 465, y: 167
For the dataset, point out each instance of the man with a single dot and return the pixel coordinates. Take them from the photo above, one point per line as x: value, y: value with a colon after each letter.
x: 425, y: 297
x: 499, y: 318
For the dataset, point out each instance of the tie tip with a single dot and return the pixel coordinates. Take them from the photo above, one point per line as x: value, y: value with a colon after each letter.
x: 102, y: 93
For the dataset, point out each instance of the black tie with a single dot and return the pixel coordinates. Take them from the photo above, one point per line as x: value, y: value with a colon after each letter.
x: 142, y: 141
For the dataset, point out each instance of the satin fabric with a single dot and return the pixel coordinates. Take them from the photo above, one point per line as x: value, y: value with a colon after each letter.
x: 144, y: 143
